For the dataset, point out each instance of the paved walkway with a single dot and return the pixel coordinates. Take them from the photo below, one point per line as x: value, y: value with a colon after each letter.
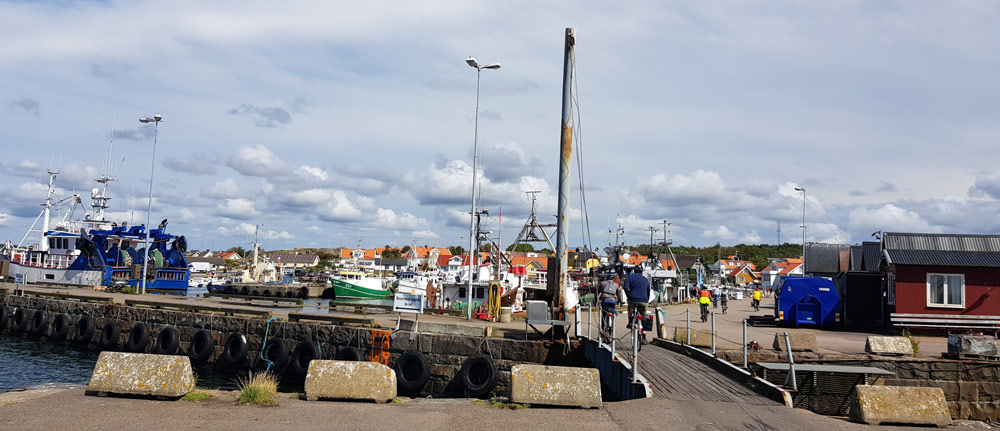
x: 675, y: 376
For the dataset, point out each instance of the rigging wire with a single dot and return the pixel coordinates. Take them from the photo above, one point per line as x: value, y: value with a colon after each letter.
x: 578, y: 138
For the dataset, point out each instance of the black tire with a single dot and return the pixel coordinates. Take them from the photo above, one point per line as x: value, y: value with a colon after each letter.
x: 4, y: 317
x: 349, y: 354
x: 228, y: 290
x: 202, y: 345
x: 267, y: 293
x: 235, y: 350
x: 167, y: 341
x: 60, y: 328
x: 305, y: 352
x: 138, y: 338
x: 274, y: 350
x: 245, y: 291
x: 84, y: 331
x: 255, y: 293
x: 289, y: 294
x: 20, y: 320
x: 412, y: 372
x: 478, y: 376
x: 39, y: 323
x: 303, y: 293
x: 110, y: 336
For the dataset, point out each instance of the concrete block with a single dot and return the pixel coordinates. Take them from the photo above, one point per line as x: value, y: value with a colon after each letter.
x: 441, y: 328
x: 908, y: 405
x: 350, y: 380
x: 142, y: 374
x: 556, y: 386
x: 973, y: 344
x: 699, y: 338
x: 800, y: 342
x: 878, y: 345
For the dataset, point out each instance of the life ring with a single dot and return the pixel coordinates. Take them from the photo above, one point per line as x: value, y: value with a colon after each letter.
x: 4, y: 317
x: 275, y: 353
x: 235, y: 350
x: 110, y: 335
x: 412, y: 372
x: 305, y: 352
x: 167, y: 341
x: 138, y: 338
x: 202, y: 345
x: 349, y: 353
x: 39, y: 323
x: 478, y: 376
x: 84, y: 329
x: 20, y: 320
x: 60, y: 328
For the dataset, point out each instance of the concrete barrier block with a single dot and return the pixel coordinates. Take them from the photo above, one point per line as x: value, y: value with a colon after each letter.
x: 556, y: 386
x: 700, y: 338
x: 350, y: 380
x: 142, y: 374
x: 900, y: 405
x: 878, y: 345
x: 800, y: 342
x: 973, y: 344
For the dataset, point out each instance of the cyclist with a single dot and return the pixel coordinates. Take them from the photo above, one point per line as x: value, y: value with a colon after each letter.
x: 704, y: 299
x: 611, y: 293
x: 756, y: 299
x: 724, y: 298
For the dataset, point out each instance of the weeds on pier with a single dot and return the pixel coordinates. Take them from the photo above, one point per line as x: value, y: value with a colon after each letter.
x: 195, y: 396
x: 913, y: 342
x: 258, y: 389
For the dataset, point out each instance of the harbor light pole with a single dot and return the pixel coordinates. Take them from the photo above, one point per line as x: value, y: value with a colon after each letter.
x: 475, y: 158
x: 803, y: 190
x: 155, y: 119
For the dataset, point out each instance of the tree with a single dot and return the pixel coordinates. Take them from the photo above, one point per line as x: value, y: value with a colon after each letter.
x: 488, y: 248
x: 521, y: 247
x: 391, y: 253
x: 238, y: 250
x: 456, y: 250
x: 406, y: 249
x: 546, y: 251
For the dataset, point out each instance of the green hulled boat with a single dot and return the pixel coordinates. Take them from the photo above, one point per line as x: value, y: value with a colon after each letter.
x: 355, y: 284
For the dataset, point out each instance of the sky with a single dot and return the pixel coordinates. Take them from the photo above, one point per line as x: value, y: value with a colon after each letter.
x: 322, y: 123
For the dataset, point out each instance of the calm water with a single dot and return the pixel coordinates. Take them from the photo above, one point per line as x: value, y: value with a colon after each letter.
x: 26, y: 363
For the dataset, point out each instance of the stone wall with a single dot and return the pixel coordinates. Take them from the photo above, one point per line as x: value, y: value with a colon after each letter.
x: 445, y: 353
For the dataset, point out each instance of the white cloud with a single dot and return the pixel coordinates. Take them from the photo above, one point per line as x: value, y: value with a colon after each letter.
x: 722, y: 232
x: 387, y: 218
x: 186, y: 214
x: 750, y: 238
x: 312, y: 173
x: 315, y: 229
x: 240, y: 209
x: 227, y: 188
x: 256, y: 161
x: 4, y: 218
x: 425, y: 234
x: 889, y: 218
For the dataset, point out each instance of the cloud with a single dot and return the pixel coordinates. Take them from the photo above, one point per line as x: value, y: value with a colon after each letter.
x: 195, y: 164
x: 750, y: 238
x: 856, y: 193
x: 314, y: 229
x: 256, y: 161
x: 388, y: 219
x: 986, y: 185
x: 312, y: 173
x: 30, y: 106
x: 507, y: 162
x: 239, y: 209
x: 885, y: 187
x: 225, y: 189
x: 4, y: 218
x: 425, y: 234
x: 722, y: 232
x: 140, y: 133
x: 337, y: 207
x: 186, y: 214
x: 888, y: 218
x: 264, y: 117
x: 25, y: 168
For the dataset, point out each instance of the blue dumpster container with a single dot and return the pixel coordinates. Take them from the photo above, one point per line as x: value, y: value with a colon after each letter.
x: 807, y: 301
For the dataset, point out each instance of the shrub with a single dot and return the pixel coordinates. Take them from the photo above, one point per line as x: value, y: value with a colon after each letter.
x: 258, y: 389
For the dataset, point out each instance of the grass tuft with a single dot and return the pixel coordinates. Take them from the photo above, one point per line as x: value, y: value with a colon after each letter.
x: 507, y: 406
x: 913, y: 342
x: 196, y: 395
x: 258, y: 389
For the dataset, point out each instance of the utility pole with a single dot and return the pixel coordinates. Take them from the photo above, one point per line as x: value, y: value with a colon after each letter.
x: 565, y: 155
x: 651, y: 230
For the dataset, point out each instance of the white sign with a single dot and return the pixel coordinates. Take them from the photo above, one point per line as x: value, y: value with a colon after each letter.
x: 408, y: 303
x: 19, y: 278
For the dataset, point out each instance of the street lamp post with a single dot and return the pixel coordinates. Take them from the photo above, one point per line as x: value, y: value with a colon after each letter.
x: 475, y: 158
x: 803, y: 190
x: 149, y: 204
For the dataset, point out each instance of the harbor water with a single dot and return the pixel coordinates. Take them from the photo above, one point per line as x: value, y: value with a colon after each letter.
x: 27, y: 363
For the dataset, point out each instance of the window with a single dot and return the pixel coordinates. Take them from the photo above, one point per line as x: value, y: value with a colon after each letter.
x: 461, y: 292
x: 480, y: 293
x: 946, y: 290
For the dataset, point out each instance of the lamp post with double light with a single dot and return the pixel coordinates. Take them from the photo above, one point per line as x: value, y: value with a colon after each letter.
x: 155, y: 119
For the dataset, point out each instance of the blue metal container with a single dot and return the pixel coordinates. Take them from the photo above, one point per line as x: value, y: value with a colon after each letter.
x: 807, y: 301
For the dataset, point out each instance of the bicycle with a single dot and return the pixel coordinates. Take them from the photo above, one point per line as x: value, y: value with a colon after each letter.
x: 725, y: 306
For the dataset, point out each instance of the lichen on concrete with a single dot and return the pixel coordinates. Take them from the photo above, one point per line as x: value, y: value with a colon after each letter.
x: 142, y: 374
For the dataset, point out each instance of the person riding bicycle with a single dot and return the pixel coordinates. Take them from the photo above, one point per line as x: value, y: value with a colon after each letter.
x: 756, y: 298
x: 716, y: 293
x: 724, y: 299
x: 611, y: 294
x: 704, y: 299
x: 637, y: 293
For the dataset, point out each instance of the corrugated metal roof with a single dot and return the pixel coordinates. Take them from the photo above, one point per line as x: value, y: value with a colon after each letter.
x: 982, y: 259
x: 856, y: 258
x: 824, y: 258
x: 871, y: 252
x: 941, y: 242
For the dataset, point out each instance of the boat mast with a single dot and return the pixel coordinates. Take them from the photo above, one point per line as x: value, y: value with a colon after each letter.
x: 43, y: 244
x: 565, y: 153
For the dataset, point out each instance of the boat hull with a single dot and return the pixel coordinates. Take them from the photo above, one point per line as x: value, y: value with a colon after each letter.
x: 343, y: 289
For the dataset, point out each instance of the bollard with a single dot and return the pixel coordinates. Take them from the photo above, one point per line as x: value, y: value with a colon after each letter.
x: 688, y: 318
x: 744, y: 343
x: 791, y: 364
x: 713, y: 333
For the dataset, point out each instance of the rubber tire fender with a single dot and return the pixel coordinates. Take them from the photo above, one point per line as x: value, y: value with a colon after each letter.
x: 412, y: 372
x: 84, y: 330
x: 4, y: 317
x: 228, y: 290
x: 110, y: 336
x: 20, y: 320
x: 234, y: 352
x: 39, y: 323
x: 478, y: 376
x: 167, y: 341
x: 348, y: 353
x: 138, y: 338
x: 274, y: 350
x: 267, y: 293
x: 303, y: 293
x: 201, y: 346
x: 60, y: 327
x: 305, y: 352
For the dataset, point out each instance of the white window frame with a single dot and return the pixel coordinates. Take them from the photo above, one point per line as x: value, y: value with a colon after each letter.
x: 945, y: 275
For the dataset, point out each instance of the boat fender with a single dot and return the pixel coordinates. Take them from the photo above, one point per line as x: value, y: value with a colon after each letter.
x: 229, y: 290
x: 201, y: 346
x: 255, y: 293
x: 60, y: 327
x: 39, y: 323
x: 245, y: 290
x: 267, y: 293
x: 349, y: 353
x: 84, y: 329
x: 305, y: 352
x: 138, y: 338
x: 289, y: 294
x: 275, y: 353
x: 235, y: 350
x: 478, y: 376
x: 110, y: 335
x: 20, y: 320
x: 412, y: 372
x: 167, y: 341
x: 4, y: 317
x: 303, y: 293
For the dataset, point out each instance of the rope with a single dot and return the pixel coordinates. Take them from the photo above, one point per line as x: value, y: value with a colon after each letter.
x: 266, y: 330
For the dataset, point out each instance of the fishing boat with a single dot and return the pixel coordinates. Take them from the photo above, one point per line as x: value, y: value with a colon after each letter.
x: 416, y: 283
x: 356, y: 284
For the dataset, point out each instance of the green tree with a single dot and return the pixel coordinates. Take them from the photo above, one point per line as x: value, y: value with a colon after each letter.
x: 488, y: 248
x: 521, y: 247
x: 456, y: 250
x: 238, y: 250
x: 391, y: 253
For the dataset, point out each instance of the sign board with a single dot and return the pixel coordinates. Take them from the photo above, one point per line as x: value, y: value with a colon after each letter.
x: 19, y: 278
x: 408, y: 303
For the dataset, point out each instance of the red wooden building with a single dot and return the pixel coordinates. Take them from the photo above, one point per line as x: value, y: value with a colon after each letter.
x: 942, y: 281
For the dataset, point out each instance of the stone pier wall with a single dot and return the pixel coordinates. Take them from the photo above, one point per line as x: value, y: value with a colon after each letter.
x: 445, y: 353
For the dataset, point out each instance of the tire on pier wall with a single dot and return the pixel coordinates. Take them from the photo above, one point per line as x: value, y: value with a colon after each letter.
x: 84, y: 331
x: 202, y: 346
x: 138, y: 338
x: 305, y: 352
x: 110, y: 336
x: 60, y: 328
x: 235, y: 350
x: 478, y: 376
x: 4, y: 317
x: 19, y: 321
x: 273, y: 355
x: 167, y: 341
x: 349, y: 353
x: 412, y: 372
x: 39, y: 323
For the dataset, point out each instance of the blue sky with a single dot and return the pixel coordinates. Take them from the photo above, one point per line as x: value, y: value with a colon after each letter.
x: 326, y: 121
